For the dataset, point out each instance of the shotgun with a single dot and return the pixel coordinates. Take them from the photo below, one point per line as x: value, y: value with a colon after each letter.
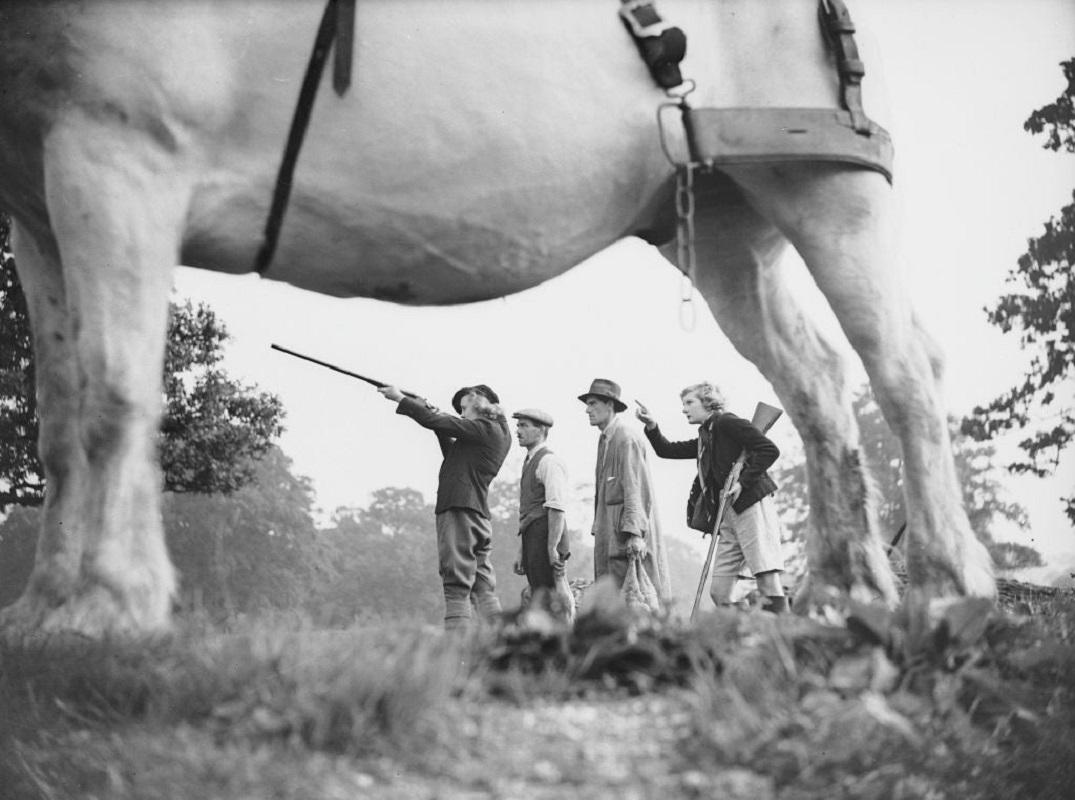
x: 763, y: 419
x: 347, y: 372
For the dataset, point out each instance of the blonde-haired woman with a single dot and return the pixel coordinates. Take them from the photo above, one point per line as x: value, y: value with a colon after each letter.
x: 750, y: 530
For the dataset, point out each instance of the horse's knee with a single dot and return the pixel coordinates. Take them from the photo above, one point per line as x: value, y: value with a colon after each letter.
x: 112, y: 419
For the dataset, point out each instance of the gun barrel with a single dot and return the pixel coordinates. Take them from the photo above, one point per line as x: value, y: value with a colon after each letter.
x: 341, y: 370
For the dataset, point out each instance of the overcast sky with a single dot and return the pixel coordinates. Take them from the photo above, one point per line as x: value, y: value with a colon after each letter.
x: 961, y: 75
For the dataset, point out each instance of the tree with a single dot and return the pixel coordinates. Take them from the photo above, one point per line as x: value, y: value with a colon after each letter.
x: 213, y: 427
x: 386, y: 561
x: 386, y: 557
x: 20, y: 473
x: 252, y: 550
x: 1042, y: 310
x: 983, y: 494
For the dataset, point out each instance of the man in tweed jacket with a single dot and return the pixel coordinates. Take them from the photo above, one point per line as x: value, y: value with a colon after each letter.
x: 474, y: 445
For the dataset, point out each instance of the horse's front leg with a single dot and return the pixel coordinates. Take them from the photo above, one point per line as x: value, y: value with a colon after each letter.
x: 841, y: 220
x: 59, y: 545
x: 741, y: 275
x: 116, y: 205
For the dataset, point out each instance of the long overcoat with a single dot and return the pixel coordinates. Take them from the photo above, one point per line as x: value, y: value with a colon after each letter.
x: 624, y: 505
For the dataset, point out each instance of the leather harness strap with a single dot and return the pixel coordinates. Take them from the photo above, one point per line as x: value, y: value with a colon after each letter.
x: 836, y: 23
x: 337, y: 24
x: 661, y: 44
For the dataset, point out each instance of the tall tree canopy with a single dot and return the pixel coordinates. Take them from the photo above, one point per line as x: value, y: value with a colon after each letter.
x: 983, y: 494
x: 1041, y: 309
x: 214, y: 427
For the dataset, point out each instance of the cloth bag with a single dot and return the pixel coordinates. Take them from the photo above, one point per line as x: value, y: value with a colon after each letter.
x: 638, y: 591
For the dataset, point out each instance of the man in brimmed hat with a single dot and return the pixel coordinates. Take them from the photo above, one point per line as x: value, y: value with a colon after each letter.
x: 543, y: 492
x: 625, y: 517
x: 475, y: 445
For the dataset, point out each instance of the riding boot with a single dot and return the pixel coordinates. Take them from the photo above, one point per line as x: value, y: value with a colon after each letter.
x: 775, y: 604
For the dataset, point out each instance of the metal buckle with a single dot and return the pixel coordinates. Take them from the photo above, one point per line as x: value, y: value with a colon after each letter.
x: 643, y: 19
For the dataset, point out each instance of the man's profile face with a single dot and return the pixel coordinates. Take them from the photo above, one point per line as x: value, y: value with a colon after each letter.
x: 693, y: 410
x: 529, y: 433
x: 599, y: 411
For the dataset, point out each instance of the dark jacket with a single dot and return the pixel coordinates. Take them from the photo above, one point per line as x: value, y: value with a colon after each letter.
x: 471, y: 461
x: 725, y: 436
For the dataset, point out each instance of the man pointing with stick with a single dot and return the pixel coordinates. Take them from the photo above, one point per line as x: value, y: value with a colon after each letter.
x: 750, y: 529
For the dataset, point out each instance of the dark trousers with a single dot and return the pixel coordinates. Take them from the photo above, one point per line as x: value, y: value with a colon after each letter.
x: 464, y: 542
x: 536, y: 562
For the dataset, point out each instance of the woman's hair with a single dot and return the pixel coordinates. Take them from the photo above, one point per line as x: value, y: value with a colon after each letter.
x: 712, y: 399
x: 486, y: 408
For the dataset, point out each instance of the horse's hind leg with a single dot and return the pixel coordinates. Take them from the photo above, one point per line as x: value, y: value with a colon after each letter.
x: 841, y: 220
x: 741, y: 276
x: 59, y: 545
x: 116, y: 205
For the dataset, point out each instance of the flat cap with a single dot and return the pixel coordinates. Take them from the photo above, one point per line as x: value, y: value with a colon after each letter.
x: 534, y: 415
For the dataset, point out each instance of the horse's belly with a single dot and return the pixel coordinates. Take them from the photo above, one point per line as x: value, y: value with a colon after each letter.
x: 438, y: 177
x: 428, y: 240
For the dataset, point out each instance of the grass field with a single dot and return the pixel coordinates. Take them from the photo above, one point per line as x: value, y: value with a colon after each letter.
x: 743, y: 705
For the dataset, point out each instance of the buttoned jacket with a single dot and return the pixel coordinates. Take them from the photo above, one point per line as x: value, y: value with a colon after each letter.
x: 474, y: 450
x: 721, y: 438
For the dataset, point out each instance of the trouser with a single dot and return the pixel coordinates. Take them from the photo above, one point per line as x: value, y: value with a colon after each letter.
x: 536, y: 562
x: 464, y: 542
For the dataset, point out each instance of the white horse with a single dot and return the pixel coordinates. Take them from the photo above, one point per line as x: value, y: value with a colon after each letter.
x: 484, y: 147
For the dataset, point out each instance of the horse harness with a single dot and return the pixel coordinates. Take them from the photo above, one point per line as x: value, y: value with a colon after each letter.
x: 715, y: 136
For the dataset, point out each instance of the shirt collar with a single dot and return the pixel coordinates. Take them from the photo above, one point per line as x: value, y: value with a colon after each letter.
x: 611, y: 426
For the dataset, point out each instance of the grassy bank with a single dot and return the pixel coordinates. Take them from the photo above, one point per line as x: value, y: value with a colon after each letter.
x: 741, y: 705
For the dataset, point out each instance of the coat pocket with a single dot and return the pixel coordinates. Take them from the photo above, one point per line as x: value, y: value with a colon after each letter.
x: 613, y: 491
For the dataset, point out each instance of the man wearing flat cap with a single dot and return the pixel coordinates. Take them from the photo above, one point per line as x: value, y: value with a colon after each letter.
x: 474, y: 445
x: 625, y: 515
x: 543, y: 490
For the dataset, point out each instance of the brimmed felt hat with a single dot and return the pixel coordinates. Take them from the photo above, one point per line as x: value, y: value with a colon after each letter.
x: 535, y: 415
x: 605, y: 390
x: 481, y: 388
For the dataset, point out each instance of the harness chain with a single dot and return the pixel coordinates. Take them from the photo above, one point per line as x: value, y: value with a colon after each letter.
x: 685, y: 251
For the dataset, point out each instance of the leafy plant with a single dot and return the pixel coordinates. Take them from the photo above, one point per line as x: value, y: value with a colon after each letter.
x: 1041, y: 310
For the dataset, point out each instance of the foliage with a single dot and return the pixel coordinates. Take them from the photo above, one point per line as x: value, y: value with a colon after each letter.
x: 254, y: 550
x: 983, y: 493
x: 18, y: 546
x: 386, y: 557
x: 1041, y: 309
x: 741, y: 705
x: 213, y: 427
x: 20, y: 475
